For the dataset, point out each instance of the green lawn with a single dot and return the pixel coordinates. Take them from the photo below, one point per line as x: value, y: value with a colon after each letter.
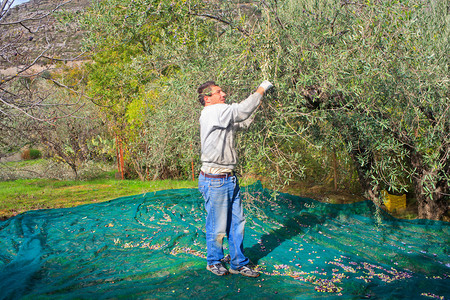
x: 21, y: 195
x: 28, y: 194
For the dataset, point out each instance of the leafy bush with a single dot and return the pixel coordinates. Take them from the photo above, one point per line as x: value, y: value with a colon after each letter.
x: 35, y: 154
x: 31, y: 154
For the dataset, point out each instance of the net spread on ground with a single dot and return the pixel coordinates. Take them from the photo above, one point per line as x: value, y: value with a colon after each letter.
x: 152, y: 246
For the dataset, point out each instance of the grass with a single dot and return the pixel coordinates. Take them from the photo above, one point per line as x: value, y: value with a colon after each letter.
x: 21, y: 195
x: 29, y: 194
x: 25, y: 163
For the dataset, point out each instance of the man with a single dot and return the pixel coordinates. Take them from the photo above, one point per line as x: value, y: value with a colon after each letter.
x: 217, y: 181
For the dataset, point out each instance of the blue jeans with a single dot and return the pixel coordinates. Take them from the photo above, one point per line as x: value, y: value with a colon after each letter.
x: 225, y: 217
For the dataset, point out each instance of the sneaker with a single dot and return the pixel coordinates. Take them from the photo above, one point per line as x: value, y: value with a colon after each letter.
x: 217, y: 269
x: 246, y: 271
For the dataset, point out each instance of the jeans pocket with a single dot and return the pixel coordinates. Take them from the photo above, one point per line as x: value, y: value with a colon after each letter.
x: 216, y: 183
x: 201, y: 189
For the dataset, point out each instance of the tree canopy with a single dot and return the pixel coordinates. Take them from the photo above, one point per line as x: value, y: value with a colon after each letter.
x: 366, y: 78
x: 362, y: 82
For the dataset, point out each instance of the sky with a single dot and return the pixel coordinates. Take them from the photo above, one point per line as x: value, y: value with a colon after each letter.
x: 17, y: 2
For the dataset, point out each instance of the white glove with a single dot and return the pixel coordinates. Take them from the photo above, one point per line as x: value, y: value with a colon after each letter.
x: 266, y: 85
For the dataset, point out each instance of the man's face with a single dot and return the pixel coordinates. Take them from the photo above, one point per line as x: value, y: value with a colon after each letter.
x: 217, y: 96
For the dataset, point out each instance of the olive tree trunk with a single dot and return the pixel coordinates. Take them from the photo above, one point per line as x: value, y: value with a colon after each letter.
x: 432, y: 197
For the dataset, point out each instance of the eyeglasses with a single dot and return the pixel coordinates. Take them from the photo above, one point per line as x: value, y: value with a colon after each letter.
x: 212, y: 93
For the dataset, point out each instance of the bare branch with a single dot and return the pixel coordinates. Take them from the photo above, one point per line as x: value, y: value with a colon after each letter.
x: 6, y: 5
x: 64, y: 59
x: 22, y: 110
x: 36, y: 18
x: 240, y: 29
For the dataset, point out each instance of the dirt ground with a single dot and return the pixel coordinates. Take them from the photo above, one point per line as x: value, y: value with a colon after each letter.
x: 327, y: 194
x: 10, y: 158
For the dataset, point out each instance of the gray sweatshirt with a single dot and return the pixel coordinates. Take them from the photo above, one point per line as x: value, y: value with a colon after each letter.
x: 218, y: 124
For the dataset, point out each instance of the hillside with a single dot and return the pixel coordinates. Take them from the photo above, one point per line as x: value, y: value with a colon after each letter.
x: 40, y: 28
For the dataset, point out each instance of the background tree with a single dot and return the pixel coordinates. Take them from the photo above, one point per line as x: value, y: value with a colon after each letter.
x: 132, y: 79
x: 31, y: 37
x: 34, y: 37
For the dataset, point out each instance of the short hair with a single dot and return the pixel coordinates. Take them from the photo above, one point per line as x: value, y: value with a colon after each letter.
x: 205, y: 90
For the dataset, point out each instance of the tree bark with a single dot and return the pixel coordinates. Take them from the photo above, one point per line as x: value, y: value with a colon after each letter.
x: 75, y: 170
x: 433, y: 209
x: 370, y: 191
x: 335, y: 170
x: 432, y: 205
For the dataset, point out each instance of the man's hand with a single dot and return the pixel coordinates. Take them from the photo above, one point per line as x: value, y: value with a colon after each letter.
x: 264, y: 87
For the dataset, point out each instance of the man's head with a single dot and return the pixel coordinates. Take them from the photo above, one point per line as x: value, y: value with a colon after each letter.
x: 209, y: 93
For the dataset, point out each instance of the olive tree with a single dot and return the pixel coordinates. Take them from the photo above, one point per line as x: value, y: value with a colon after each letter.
x: 377, y: 74
x: 367, y: 77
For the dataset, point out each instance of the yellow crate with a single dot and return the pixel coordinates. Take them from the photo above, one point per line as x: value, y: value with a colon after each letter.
x: 393, y: 202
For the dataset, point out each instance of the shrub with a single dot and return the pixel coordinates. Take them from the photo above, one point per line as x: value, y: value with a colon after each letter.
x: 35, y: 154
x: 31, y: 154
x: 26, y: 154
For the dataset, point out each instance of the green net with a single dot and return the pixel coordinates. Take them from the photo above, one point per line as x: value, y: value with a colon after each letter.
x: 152, y: 246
